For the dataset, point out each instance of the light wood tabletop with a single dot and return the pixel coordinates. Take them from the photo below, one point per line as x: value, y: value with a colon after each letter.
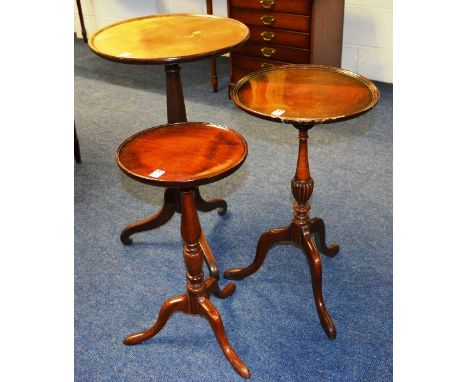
x: 168, y: 38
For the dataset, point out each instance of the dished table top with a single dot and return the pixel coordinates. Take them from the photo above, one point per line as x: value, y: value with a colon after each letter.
x: 305, y: 94
x: 182, y: 154
x: 168, y: 38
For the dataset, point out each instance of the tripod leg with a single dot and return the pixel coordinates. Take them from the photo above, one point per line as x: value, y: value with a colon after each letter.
x: 208, y: 257
x: 265, y: 243
x: 212, y: 287
x: 315, y: 264
x: 174, y: 304
x: 209, y: 205
x: 154, y: 221
x: 208, y: 310
x: 317, y: 226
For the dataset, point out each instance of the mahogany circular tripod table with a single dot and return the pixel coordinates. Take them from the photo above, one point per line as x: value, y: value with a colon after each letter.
x: 169, y: 39
x: 302, y: 95
x: 184, y: 156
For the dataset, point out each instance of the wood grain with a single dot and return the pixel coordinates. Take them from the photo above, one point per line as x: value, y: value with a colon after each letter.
x: 305, y: 94
x: 190, y: 154
x: 168, y: 38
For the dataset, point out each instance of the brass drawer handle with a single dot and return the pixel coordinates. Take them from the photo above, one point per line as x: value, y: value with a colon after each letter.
x: 267, y: 3
x: 267, y: 20
x: 266, y: 65
x: 267, y: 36
x: 268, y: 52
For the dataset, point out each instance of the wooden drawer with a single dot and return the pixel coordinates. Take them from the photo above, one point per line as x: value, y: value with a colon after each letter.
x: 279, y: 37
x: 286, y: 21
x: 251, y: 64
x: 275, y: 52
x: 299, y: 7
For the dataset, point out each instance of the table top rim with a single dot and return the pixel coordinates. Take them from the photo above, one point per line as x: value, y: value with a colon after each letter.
x: 166, y: 60
x: 188, y: 182
x: 306, y: 121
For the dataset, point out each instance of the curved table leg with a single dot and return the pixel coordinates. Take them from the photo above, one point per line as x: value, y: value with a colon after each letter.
x: 265, y: 243
x: 212, y: 287
x: 317, y: 226
x: 315, y: 264
x: 208, y: 310
x: 174, y: 304
x: 208, y: 257
x: 163, y: 216
x: 209, y: 205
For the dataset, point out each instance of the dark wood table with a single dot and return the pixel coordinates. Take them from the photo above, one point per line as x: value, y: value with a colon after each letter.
x: 185, y: 156
x: 302, y: 95
x: 169, y: 39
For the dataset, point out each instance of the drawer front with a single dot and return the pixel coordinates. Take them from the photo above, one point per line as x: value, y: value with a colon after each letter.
x: 299, y: 7
x: 275, y: 52
x: 251, y: 64
x: 286, y: 21
x: 279, y: 37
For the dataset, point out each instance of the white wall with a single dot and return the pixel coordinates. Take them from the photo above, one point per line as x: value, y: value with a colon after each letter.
x: 367, y: 36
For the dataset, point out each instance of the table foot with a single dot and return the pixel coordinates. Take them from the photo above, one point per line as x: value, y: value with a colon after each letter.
x: 174, y: 304
x: 157, y: 220
x: 208, y: 310
x: 313, y: 257
x: 212, y: 287
x: 265, y: 243
x: 209, y: 205
x: 317, y: 226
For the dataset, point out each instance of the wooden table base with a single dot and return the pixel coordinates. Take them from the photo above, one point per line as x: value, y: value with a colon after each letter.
x: 196, y: 299
x: 175, y: 113
x: 307, y: 233
x: 173, y: 204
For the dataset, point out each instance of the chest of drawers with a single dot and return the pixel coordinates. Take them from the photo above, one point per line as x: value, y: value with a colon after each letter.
x: 287, y: 32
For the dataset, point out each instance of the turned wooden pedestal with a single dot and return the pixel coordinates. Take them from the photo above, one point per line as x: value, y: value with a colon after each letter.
x: 181, y: 157
x: 169, y: 39
x: 302, y: 95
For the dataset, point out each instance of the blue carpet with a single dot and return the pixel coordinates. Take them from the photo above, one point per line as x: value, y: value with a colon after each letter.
x: 271, y: 319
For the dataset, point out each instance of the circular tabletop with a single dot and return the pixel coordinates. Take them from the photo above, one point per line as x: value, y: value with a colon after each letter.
x: 182, y: 154
x: 305, y: 94
x: 168, y: 38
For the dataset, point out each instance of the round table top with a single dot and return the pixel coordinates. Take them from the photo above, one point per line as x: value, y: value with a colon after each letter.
x: 182, y: 154
x: 305, y: 94
x: 168, y: 38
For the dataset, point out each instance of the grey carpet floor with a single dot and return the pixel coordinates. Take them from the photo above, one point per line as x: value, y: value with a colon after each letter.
x: 271, y: 319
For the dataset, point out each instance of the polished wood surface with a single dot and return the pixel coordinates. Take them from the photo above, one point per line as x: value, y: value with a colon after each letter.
x: 305, y: 94
x: 214, y: 71
x: 190, y: 153
x: 198, y: 289
x: 168, y: 38
x: 308, y: 234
